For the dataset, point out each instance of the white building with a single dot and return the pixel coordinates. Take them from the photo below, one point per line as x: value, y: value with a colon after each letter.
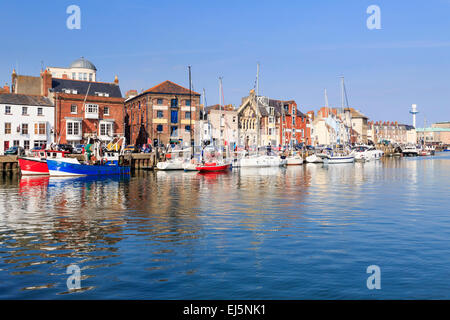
x: 80, y: 69
x: 26, y: 121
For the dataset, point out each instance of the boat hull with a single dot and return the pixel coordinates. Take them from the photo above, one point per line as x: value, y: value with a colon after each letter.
x: 70, y: 168
x: 167, y: 165
x: 213, y: 168
x: 338, y: 160
x: 314, y: 159
x: 294, y: 161
x: 33, y: 166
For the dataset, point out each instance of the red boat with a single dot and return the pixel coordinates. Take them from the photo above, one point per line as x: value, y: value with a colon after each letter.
x: 37, y: 164
x: 213, y: 167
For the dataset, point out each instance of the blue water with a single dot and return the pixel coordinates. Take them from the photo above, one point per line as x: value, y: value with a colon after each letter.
x: 306, y: 232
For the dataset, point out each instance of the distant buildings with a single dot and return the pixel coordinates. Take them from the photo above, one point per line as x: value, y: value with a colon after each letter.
x: 331, y: 126
x: 166, y: 113
x: 264, y: 121
x: 438, y: 133
x: 392, y: 132
x: 224, y: 124
x: 26, y: 121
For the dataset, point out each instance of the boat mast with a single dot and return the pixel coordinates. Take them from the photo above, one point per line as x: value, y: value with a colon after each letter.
x: 257, y: 107
x: 220, y: 113
x: 190, y: 112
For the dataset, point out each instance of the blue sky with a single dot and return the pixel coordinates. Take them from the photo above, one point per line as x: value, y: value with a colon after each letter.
x: 302, y: 47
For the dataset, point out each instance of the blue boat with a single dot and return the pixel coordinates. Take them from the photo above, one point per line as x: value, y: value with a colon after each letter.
x: 72, y: 167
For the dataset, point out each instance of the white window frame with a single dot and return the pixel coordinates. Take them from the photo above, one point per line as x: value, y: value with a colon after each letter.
x: 106, y: 108
x: 91, y: 108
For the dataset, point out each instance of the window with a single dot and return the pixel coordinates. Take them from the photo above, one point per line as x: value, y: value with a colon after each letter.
x: 234, y: 119
x: 85, y: 76
x: 7, y: 127
x: 187, y: 128
x: 90, y: 76
x: 187, y: 115
x: 80, y: 76
x: 174, y: 103
x: 16, y: 143
x: 293, y: 120
x: 74, y: 75
x: 91, y: 108
x: 39, y: 143
x: 159, y: 128
x: 26, y: 144
x: 39, y: 111
x: 271, y: 120
x: 159, y: 114
x: 24, y: 111
x: 73, y: 108
x: 174, y: 117
x: 159, y: 102
x: 106, y: 111
x: 39, y: 128
x: 188, y: 103
x: 286, y: 108
x: 106, y: 129
x: 73, y: 128
x: 24, y: 128
x: 7, y: 109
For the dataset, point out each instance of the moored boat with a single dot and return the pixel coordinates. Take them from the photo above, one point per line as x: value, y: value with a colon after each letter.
x: 73, y: 167
x: 314, y: 158
x: 213, y: 167
x: 339, y: 159
x: 410, y: 151
x: 37, y: 163
x: 294, y: 160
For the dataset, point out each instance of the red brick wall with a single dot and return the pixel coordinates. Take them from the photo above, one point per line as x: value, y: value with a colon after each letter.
x: 63, y: 108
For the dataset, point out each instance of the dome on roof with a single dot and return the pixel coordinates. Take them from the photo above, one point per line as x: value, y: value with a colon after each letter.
x: 83, y: 63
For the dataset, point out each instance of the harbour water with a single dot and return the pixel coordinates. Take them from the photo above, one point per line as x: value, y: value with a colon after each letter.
x: 304, y: 232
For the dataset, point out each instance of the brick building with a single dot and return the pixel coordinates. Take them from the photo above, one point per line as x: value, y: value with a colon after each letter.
x: 87, y: 109
x: 83, y: 108
x: 294, y: 124
x: 167, y: 113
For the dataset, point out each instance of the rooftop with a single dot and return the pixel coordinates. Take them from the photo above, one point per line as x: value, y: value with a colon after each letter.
x: 24, y: 99
x: 82, y: 87
x: 83, y: 63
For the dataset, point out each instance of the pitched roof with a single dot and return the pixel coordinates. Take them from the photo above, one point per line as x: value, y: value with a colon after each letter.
x: 24, y: 99
x: 82, y: 87
x: 168, y: 87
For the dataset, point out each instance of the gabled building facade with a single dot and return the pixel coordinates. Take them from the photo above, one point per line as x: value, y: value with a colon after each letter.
x: 165, y: 113
x: 264, y: 121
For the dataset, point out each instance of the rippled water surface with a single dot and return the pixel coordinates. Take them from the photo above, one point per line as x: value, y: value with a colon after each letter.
x: 306, y: 232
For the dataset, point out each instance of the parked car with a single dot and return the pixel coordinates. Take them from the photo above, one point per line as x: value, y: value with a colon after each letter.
x: 65, y: 147
x: 15, y: 150
x: 78, y: 148
x: 131, y: 149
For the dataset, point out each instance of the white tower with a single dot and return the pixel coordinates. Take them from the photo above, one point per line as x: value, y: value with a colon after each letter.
x: 414, y: 112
